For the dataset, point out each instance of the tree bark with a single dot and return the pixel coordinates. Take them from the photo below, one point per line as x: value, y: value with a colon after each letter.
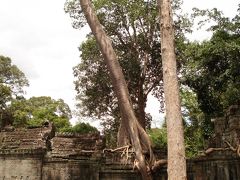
x: 136, y: 133
x: 122, y: 136
x: 141, y: 107
x: 176, y: 147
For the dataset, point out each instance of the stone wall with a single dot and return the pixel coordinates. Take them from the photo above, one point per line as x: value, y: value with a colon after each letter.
x: 74, y: 157
x: 227, y: 129
x: 20, y: 167
x: 218, y: 166
x: 69, y: 144
x: 22, y: 139
x: 21, y: 154
x: 70, y: 169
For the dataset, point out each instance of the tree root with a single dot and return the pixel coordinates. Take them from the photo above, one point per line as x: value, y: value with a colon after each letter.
x: 158, y: 164
x: 210, y: 150
x: 125, y: 152
x: 136, y: 165
x: 237, y: 149
x: 124, y: 149
x: 146, y: 146
x: 117, y: 149
x: 230, y: 147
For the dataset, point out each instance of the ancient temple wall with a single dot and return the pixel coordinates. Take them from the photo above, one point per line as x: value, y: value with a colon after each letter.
x: 20, y: 167
x: 219, y: 168
x: 63, y: 169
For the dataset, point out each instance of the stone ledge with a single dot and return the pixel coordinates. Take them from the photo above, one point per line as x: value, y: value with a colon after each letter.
x: 77, y: 135
x: 21, y: 151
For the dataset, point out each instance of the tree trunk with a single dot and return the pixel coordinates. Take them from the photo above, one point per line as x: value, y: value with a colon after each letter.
x: 136, y: 133
x: 122, y: 136
x: 141, y: 107
x: 176, y: 148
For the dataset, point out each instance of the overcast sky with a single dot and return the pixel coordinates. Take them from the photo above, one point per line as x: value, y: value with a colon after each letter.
x: 37, y: 35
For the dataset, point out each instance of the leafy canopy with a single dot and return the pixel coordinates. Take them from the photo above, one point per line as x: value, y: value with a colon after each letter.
x: 36, y: 110
x: 212, y: 67
x: 12, y: 82
x: 81, y: 128
x: 133, y: 27
x: 210, y: 77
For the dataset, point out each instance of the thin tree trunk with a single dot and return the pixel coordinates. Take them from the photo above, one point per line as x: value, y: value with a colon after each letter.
x: 176, y: 148
x: 120, y: 88
x: 141, y: 108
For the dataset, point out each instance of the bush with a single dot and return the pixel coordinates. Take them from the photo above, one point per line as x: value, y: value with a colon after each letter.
x: 158, y: 138
x: 81, y: 128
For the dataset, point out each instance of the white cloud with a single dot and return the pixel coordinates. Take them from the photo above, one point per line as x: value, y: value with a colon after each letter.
x: 39, y: 38
x: 153, y: 106
x: 229, y: 9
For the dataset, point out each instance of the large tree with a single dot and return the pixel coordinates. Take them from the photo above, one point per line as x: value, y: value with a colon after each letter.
x: 135, y: 39
x: 136, y: 133
x: 175, y: 136
x: 12, y: 81
x: 133, y: 27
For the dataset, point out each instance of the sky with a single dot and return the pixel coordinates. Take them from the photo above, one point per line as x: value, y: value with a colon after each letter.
x: 37, y: 35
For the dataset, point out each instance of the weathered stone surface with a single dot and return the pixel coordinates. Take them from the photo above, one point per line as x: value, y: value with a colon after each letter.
x: 227, y: 129
x: 20, y: 167
x: 211, y: 169
x: 67, y: 169
x: 68, y: 144
x: 22, y: 139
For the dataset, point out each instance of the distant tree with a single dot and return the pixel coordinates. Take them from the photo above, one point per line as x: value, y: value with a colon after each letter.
x: 81, y: 128
x: 12, y: 81
x: 36, y: 110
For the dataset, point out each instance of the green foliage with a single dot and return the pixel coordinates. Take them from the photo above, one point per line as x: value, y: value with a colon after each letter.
x: 11, y: 76
x: 12, y: 81
x: 194, y: 119
x: 36, y: 110
x: 158, y: 138
x: 217, y: 20
x: 196, y: 129
x: 194, y: 141
x: 95, y: 92
x: 20, y: 112
x: 81, y: 128
x: 211, y: 71
x: 190, y: 106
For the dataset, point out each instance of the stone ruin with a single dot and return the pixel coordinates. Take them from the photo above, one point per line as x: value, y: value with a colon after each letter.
x: 221, y: 160
x: 41, y: 154
x: 227, y: 129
